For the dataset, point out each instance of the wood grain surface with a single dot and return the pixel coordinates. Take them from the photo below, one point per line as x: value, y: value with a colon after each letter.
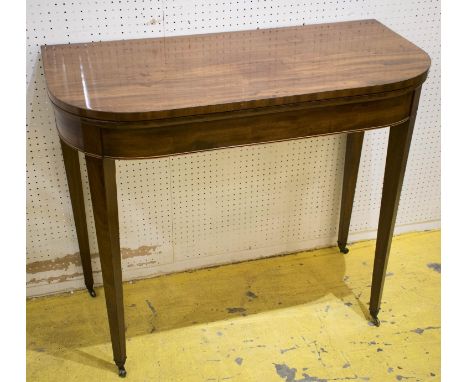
x: 145, y: 79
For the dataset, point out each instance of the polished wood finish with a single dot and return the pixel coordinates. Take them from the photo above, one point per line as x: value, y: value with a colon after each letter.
x: 351, y: 169
x: 202, y: 74
x: 189, y: 134
x: 72, y: 169
x: 166, y: 96
x: 397, y: 155
x: 102, y: 183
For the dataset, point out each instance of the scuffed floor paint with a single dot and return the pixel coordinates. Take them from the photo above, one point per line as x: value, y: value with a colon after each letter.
x: 295, y: 318
x: 435, y: 266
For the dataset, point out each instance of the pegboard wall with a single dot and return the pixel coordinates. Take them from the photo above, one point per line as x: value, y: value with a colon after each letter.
x: 227, y: 205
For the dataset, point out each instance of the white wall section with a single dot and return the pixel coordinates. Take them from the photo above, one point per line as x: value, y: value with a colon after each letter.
x: 227, y: 205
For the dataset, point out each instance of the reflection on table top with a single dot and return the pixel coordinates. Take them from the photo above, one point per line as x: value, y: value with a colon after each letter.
x: 185, y: 75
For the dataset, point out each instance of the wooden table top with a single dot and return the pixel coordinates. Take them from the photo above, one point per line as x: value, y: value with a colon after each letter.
x: 131, y: 80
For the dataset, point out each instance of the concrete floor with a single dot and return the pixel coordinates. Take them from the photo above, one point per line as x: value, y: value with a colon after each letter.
x: 295, y: 318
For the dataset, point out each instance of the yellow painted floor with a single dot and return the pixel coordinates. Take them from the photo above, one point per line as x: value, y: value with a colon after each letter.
x: 295, y: 318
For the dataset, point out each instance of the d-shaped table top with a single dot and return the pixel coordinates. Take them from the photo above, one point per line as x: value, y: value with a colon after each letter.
x: 165, y: 96
x: 137, y: 80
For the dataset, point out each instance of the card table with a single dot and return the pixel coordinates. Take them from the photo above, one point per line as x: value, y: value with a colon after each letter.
x: 155, y: 97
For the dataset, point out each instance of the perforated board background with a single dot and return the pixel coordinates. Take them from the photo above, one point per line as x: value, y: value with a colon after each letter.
x: 227, y: 205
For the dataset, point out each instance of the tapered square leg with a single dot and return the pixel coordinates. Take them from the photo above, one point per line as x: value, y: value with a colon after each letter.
x: 351, y: 169
x: 102, y: 182
x: 397, y: 155
x: 75, y: 187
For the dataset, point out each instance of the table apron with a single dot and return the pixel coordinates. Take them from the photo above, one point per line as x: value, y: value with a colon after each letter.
x: 148, y: 139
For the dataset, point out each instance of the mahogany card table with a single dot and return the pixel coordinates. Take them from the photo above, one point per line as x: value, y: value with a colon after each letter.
x: 150, y: 98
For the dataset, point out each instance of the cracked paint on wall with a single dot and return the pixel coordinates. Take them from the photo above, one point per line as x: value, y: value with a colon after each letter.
x: 60, y: 265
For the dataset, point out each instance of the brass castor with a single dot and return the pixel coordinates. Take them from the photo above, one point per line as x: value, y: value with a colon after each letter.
x: 122, y: 372
x: 91, y: 292
x: 375, y: 320
x: 343, y: 248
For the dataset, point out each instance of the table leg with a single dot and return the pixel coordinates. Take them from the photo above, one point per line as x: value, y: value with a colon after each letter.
x: 352, y: 159
x: 101, y: 175
x: 75, y: 187
x: 397, y: 155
